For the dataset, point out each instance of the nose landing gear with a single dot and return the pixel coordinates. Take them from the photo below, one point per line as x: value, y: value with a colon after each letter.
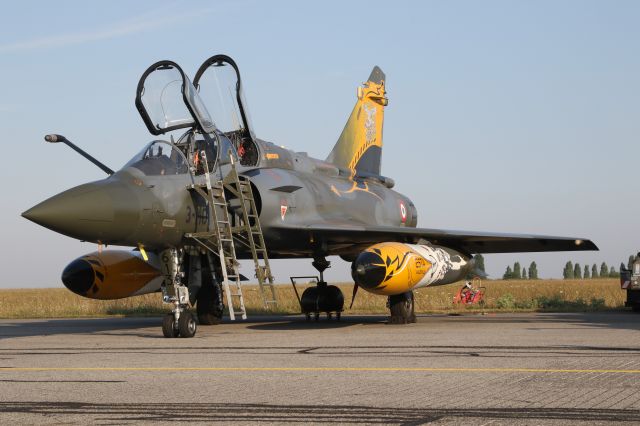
x: 180, y: 322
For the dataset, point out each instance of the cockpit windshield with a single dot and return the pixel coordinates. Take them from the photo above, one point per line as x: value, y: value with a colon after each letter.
x: 160, y: 158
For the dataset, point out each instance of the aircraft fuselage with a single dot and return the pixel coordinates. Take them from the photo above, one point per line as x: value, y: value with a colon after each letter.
x: 132, y: 208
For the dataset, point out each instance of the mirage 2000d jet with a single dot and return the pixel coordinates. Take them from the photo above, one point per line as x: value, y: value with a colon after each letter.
x: 191, y: 206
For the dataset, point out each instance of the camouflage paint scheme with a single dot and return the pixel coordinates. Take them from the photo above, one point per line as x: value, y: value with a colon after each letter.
x: 308, y: 208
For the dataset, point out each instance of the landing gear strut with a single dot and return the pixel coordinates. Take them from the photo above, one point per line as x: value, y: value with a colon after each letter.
x: 322, y: 297
x: 402, y: 308
x: 180, y: 322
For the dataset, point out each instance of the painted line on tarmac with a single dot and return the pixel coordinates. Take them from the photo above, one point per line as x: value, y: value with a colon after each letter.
x: 328, y: 369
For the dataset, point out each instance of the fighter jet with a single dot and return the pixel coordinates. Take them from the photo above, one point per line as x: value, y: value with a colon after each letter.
x: 191, y: 206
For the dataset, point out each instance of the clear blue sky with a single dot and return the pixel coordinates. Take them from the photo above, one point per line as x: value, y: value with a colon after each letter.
x: 504, y: 116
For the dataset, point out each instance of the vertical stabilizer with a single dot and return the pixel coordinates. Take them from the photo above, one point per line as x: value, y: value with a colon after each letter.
x: 359, y: 147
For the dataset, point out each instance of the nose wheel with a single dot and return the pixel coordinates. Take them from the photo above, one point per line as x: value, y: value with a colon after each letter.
x: 186, y: 326
x: 169, y: 326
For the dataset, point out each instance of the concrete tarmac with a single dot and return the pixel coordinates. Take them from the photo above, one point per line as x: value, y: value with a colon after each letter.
x: 472, y: 369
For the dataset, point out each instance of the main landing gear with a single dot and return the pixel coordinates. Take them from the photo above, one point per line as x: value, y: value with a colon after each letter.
x: 322, y: 297
x: 209, y: 304
x: 180, y: 322
x: 402, y: 308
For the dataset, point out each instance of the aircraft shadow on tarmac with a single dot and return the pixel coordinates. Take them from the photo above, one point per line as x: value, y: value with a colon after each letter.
x: 128, y: 325
x: 298, y: 322
x: 52, y: 327
x: 621, y: 320
x: 147, y: 326
x: 119, y: 413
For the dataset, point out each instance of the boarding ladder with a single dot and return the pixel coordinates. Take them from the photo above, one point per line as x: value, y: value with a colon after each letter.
x: 247, y: 232
x: 221, y: 237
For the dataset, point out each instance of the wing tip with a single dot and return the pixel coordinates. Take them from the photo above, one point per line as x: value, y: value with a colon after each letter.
x: 585, y: 245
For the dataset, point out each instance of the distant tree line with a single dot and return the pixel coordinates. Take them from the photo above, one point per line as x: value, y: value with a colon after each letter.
x: 572, y: 271
x: 520, y: 272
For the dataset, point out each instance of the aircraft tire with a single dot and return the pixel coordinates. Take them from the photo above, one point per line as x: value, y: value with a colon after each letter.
x: 402, y: 309
x: 169, y: 328
x: 330, y: 299
x: 187, y: 325
x: 309, y: 300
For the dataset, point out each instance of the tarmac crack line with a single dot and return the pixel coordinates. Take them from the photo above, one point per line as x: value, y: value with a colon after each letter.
x: 332, y: 369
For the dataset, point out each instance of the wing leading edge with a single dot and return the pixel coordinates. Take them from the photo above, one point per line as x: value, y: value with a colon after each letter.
x: 465, y: 241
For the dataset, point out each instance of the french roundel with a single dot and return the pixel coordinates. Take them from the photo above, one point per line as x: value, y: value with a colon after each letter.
x: 403, y: 212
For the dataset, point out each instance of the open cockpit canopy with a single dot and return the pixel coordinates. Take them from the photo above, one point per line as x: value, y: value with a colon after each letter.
x: 219, y: 85
x: 167, y: 100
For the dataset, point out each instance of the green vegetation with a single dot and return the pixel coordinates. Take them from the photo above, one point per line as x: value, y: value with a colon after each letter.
x: 479, y: 262
x: 508, y: 274
x: 571, y: 271
x: 520, y: 272
x: 533, y: 271
x: 567, y: 273
x: 577, y: 272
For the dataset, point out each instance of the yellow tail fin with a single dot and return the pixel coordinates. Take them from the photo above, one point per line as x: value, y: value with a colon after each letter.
x: 359, y: 147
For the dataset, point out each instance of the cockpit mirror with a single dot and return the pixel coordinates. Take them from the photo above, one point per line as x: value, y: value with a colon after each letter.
x: 167, y: 100
x: 219, y: 85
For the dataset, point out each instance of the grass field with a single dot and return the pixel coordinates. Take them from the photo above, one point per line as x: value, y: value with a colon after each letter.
x: 500, y: 296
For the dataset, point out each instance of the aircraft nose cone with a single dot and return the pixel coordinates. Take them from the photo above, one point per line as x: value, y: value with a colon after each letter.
x: 78, y: 276
x: 102, y: 211
x: 81, y: 203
